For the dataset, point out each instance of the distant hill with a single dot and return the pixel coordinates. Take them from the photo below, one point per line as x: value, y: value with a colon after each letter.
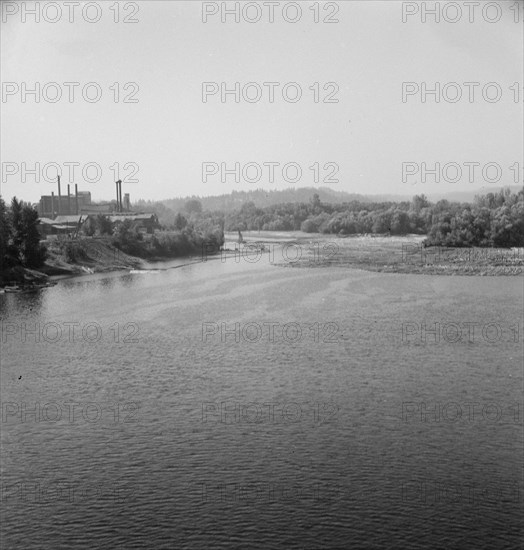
x: 262, y: 198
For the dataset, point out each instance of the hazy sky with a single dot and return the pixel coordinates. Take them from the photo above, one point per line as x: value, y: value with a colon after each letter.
x: 170, y: 131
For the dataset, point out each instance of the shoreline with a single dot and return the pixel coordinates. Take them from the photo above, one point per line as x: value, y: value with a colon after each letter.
x: 390, y: 254
x: 383, y: 254
x: 444, y: 270
x: 52, y: 274
x: 89, y: 257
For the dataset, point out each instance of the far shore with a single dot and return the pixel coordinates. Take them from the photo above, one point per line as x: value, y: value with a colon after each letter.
x: 382, y: 253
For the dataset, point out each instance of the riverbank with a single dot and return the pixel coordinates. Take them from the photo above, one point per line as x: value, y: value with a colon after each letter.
x: 385, y: 254
x: 21, y: 276
x: 67, y: 258
x: 72, y: 258
x: 87, y: 255
x: 287, y: 249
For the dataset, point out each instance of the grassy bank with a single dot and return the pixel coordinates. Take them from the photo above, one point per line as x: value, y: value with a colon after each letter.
x: 70, y: 257
x: 86, y: 255
x: 385, y: 254
x: 106, y: 253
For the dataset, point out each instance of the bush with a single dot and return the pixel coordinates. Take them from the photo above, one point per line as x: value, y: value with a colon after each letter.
x: 73, y: 251
x: 308, y: 226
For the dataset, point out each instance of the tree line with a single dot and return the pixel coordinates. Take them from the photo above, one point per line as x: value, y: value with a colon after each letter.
x: 495, y: 219
x: 187, y: 233
x: 19, y: 237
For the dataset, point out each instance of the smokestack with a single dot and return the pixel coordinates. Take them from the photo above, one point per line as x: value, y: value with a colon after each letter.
x: 76, y: 198
x: 68, y: 200
x: 52, y: 205
x: 119, y: 196
x: 120, y: 188
x: 127, y: 202
x: 59, y: 195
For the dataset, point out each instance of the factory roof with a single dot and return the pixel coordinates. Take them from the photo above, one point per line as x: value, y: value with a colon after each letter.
x: 66, y: 220
x: 60, y: 220
x: 132, y: 217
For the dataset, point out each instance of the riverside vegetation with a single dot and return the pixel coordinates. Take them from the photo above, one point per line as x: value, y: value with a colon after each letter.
x: 493, y: 221
x: 100, y: 246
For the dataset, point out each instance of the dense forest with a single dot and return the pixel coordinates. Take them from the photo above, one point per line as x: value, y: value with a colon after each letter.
x: 228, y: 203
x: 187, y: 235
x: 494, y: 219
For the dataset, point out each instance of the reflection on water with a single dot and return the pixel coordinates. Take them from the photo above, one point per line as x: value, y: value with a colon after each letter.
x: 123, y: 428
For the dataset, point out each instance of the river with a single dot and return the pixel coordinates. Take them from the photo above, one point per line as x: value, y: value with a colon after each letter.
x: 243, y: 405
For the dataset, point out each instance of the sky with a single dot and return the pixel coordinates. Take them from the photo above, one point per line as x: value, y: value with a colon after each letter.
x: 369, y: 142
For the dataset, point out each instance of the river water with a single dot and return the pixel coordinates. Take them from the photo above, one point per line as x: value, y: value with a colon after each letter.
x: 243, y: 405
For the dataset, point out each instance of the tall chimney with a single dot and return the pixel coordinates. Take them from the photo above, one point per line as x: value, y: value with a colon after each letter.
x: 68, y: 200
x: 120, y: 191
x: 117, y: 197
x: 76, y: 197
x: 52, y: 205
x: 59, y: 195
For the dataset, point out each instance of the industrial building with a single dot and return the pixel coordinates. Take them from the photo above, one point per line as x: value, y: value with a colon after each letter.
x: 51, y: 206
x: 61, y: 225
x: 65, y: 214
